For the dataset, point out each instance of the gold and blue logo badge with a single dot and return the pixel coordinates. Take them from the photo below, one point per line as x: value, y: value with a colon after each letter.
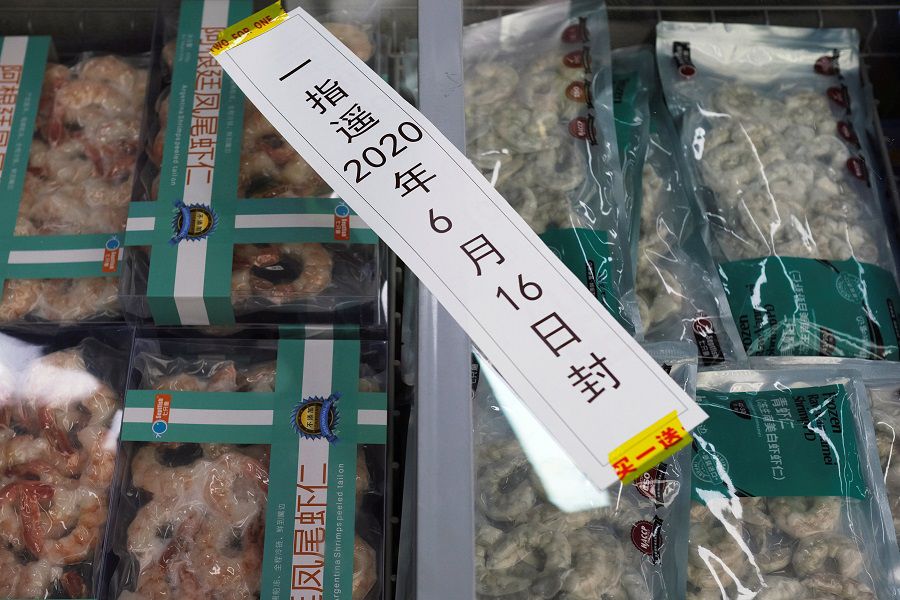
x: 317, y: 417
x: 193, y: 222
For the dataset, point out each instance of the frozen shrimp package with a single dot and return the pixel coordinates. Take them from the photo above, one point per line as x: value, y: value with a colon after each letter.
x: 882, y: 381
x: 539, y: 125
x: 60, y: 407
x: 543, y: 531
x: 788, y: 495
x: 772, y: 126
x: 226, y: 199
x: 69, y: 140
x: 253, y: 469
x: 679, y: 294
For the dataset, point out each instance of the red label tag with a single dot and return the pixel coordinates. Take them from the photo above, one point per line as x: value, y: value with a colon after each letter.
x: 653, y: 484
x: 858, y: 168
x: 342, y: 223
x: 576, y: 91
x: 161, y: 407
x: 111, y: 255
x: 110, y: 261
x: 647, y: 538
x: 838, y: 95
x: 826, y: 65
x: 845, y: 130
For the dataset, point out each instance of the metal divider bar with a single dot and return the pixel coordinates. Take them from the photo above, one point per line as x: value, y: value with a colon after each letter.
x: 445, y: 514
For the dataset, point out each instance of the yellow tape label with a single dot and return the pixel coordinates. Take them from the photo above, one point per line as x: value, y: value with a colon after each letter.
x: 648, y: 448
x: 249, y: 28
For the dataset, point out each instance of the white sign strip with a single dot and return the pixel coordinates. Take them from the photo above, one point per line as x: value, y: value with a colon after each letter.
x: 367, y: 416
x: 534, y: 320
x: 11, y: 55
x: 140, y: 223
x: 190, y: 267
x: 202, y: 416
x: 40, y: 257
x: 291, y: 220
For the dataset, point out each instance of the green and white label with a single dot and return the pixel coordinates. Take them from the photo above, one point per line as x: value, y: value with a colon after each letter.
x: 197, y: 220
x: 311, y: 511
x: 791, y: 442
x: 805, y: 307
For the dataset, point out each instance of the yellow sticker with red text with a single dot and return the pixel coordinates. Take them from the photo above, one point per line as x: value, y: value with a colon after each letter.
x: 648, y: 448
x: 256, y: 24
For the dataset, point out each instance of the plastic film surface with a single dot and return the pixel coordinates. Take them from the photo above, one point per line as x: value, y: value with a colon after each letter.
x: 679, y: 293
x: 543, y: 531
x: 787, y: 488
x: 539, y: 125
x: 771, y: 124
x: 61, y: 402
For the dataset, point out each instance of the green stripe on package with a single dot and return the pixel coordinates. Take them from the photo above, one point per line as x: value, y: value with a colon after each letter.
x: 791, y: 442
x: 803, y: 306
x: 315, y: 422
x: 192, y: 227
x: 22, y: 64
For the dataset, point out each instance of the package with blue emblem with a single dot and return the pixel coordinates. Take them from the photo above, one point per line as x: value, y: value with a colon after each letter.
x: 256, y: 467
x: 69, y: 139
x: 230, y: 224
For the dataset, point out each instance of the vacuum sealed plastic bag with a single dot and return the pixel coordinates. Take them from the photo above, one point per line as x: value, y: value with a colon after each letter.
x: 59, y: 425
x: 788, y: 494
x: 543, y: 531
x: 679, y: 293
x: 539, y: 125
x: 280, y: 492
x: 882, y: 381
x: 769, y: 119
x: 281, y: 247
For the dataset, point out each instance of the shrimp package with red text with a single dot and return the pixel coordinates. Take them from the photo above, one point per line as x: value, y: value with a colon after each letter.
x: 539, y: 125
x: 773, y: 124
x: 253, y: 467
x: 542, y: 531
x: 230, y: 222
x: 69, y: 141
x: 60, y: 406
x: 788, y: 494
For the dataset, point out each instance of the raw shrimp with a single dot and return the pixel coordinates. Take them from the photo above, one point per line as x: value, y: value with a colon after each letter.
x: 596, y: 565
x: 488, y: 83
x: 527, y: 130
x: 235, y: 487
x: 801, y: 516
x: 820, y: 552
x: 782, y: 588
x: 20, y: 296
x: 365, y: 573
x: 838, y: 586
x: 260, y: 378
x: 78, y: 544
x: 282, y: 273
x: 505, y: 491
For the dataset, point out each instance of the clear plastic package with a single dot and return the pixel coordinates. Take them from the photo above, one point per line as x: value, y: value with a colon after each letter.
x: 788, y: 492
x: 679, y: 293
x: 260, y: 469
x: 59, y: 424
x: 70, y: 141
x: 543, y: 531
x: 539, y: 125
x: 770, y: 121
x: 215, y: 171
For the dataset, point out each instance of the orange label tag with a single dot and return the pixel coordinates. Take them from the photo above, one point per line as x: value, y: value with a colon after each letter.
x: 648, y: 448
x: 111, y: 255
x: 342, y: 223
x: 161, y: 408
